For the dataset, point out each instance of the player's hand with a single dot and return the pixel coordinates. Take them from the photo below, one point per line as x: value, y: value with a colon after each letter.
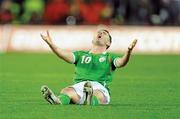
x: 47, y: 38
x: 132, y: 45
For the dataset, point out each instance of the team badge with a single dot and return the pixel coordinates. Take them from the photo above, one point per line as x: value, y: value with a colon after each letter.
x: 102, y: 59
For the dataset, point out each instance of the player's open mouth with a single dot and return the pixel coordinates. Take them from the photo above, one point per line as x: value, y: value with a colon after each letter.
x: 99, y: 36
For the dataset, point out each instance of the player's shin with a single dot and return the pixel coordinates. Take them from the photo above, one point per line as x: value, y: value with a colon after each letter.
x: 64, y: 99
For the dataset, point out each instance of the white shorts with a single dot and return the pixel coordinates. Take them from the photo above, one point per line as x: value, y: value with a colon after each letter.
x: 95, y: 85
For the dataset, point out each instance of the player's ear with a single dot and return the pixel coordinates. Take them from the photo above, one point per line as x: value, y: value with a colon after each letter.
x: 108, y: 41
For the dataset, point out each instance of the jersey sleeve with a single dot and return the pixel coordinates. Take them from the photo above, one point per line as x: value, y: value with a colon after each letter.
x: 114, y: 57
x: 76, y: 55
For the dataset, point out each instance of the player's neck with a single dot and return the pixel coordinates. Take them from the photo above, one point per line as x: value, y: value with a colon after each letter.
x: 97, y: 49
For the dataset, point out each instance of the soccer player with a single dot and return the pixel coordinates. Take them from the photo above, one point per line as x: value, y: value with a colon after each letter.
x: 93, y: 71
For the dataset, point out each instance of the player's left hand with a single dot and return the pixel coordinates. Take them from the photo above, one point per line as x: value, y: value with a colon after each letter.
x: 132, y: 45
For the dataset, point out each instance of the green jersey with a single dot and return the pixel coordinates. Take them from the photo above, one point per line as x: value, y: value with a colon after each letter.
x: 94, y: 67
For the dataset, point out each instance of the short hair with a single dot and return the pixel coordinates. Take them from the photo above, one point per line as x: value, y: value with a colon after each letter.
x: 110, y: 38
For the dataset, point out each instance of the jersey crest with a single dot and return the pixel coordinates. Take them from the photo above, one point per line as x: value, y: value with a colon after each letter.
x: 102, y: 59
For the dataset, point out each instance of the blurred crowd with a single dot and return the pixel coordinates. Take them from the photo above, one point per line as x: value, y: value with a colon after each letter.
x: 90, y: 12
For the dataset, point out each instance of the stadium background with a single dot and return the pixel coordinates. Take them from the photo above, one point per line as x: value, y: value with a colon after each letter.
x: 149, y: 86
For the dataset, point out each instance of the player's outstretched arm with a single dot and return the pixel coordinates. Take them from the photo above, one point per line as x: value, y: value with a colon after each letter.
x: 61, y: 53
x: 121, y: 62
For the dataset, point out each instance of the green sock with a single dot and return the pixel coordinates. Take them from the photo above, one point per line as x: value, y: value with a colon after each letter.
x: 65, y: 99
x: 94, y: 101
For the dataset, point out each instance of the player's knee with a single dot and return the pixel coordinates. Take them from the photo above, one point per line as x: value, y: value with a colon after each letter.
x: 68, y: 91
x: 71, y: 93
x: 65, y: 90
x: 100, y: 96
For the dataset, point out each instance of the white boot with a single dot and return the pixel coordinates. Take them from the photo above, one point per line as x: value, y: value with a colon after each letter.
x: 88, y: 92
x: 49, y: 95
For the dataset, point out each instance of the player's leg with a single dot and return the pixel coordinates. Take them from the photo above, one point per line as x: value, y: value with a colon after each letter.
x: 100, y: 94
x: 99, y: 98
x: 69, y: 94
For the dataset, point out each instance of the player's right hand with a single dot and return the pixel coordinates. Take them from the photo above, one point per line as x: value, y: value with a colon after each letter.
x: 132, y: 45
x: 47, y: 38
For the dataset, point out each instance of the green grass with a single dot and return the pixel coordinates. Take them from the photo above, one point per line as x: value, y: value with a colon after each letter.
x: 148, y: 88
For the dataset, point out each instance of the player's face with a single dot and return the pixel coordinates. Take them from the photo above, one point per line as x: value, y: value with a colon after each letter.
x: 101, y: 38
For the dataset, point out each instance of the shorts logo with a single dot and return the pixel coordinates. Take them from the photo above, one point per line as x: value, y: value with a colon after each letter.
x: 102, y: 59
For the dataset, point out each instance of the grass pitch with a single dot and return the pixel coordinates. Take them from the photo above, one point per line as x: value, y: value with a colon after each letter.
x: 147, y: 88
